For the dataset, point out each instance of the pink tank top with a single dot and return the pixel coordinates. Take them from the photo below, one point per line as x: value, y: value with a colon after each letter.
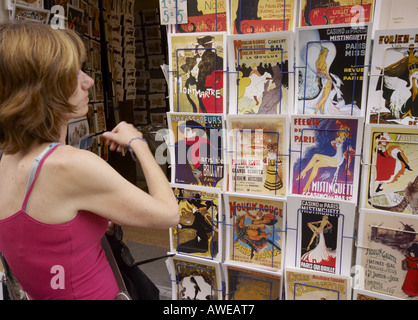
x: 57, y: 261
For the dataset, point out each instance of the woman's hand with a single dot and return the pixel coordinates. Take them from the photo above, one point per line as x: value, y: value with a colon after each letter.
x: 119, y: 137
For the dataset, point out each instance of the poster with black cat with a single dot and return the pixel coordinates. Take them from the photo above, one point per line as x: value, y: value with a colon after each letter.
x: 197, y: 77
x: 331, y: 69
x: 256, y: 16
x: 387, y: 253
x: 320, y: 12
x: 390, y: 179
x: 205, y: 16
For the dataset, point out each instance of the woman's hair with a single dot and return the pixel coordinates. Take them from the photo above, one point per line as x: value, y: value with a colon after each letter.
x: 38, y: 75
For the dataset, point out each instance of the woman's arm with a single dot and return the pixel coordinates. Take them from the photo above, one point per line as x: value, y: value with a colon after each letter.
x: 98, y: 188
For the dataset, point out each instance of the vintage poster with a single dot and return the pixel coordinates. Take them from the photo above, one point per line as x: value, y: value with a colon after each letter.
x: 199, y: 231
x: 325, y: 156
x: 365, y: 295
x: 9, y: 4
x: 21, y: 12
x: 258, y: 148
x: 205, y: 16
x: 257, y: 16
x: 318, y: 12
x: 320, y: 234
x: 390, y: 177
x: 312, y: 285
x: 194, y: 278
x: 331, y: 68
x: 246, y: 283
x: 197, y: 149
x: 78, y: 129
x: 197, y: 78
x: 393, y: 88
x: 255, y: 230
x: 388, y: 253
x: 261, y: 75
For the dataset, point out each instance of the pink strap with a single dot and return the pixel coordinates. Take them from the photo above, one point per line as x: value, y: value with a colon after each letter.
x: 38, y: 165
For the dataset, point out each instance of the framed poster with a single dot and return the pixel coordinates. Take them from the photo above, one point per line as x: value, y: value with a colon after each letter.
x: 257, y: 16
x: 330, y: 66
x: 387, y: 253
x: 258, y: 154
x: 200, y: 230
x: 261, y: 81
x: 389, y: 176
x: 246, y: 283
x: 255, y: 230
x: 325, y: 158
x: 313, y: 285
x: 196, y: 149
x: 194, y: 278
x: 197, y: 81
x: 320, y: 234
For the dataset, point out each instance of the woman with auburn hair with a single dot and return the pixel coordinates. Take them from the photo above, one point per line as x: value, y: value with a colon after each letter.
x: 56, y: 201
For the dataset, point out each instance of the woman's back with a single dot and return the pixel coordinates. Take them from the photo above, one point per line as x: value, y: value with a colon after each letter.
x: 52, y: 260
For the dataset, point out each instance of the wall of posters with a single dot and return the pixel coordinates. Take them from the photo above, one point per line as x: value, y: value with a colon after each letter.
x: 292, y: 127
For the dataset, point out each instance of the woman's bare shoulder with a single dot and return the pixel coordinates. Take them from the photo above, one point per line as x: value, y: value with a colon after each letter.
x: 74, y: 163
